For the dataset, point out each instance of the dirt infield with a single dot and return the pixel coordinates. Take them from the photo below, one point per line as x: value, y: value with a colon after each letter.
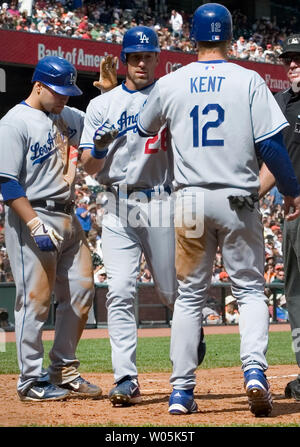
x: 219, y: 394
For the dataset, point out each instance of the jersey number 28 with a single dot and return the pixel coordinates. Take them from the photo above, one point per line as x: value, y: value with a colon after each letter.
x: 153, y: 145
x: 195, y: 117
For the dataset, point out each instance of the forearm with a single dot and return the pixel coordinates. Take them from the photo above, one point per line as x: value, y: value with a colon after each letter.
x: 90, y: 164
x: 275, y: 156
x: 150, y: 118
x: 267, y: 180
x: 22, y: 208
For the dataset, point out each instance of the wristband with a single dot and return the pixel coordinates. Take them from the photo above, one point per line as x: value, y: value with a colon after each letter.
x: 97, y: 154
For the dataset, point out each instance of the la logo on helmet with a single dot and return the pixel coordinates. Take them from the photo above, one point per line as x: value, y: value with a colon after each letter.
x: 72, y: 79
x: 143, y: 37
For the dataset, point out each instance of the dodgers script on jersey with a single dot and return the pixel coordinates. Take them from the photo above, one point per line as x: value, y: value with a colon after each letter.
x: 204, y: 135
x: 131, y: 159
x: 38, y: 143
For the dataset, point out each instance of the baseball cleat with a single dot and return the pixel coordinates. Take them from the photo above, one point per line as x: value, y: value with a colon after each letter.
x: 43, y: 391
x: 258, y: 392
x: 182, y: 402
x: 292, y: 389
x: 81, y: 388
x: 201, y: 348
x: 127, y: 392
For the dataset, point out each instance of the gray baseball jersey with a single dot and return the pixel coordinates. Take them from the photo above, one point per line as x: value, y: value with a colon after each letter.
x: 139, y: 163
x: 34, y: 150
x: 216, y: 112
x: 37, y: 145
x: 204, y: 128
x: 131, y: 159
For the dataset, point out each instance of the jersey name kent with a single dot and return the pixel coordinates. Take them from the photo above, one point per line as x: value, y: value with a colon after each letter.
x: 203, y: 84
x: 204, y: 132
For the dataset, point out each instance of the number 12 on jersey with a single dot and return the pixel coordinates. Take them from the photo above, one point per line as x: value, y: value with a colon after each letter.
x: 210, y: 124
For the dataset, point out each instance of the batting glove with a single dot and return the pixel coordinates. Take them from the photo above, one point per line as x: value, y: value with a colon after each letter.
x: 108, y: 74
x: 175, y: 67
x: 103, y: 136
x: 45, y: 237
x: 296, y: 85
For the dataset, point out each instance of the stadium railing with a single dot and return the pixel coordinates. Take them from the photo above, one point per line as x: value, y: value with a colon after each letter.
x: 149, y: 310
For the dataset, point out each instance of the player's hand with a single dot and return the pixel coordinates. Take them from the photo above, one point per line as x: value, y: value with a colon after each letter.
x: 291, y: 207
x: 45, y: 237
x: 104, y: 135
x: 296, y: 85
x: 108, y: 74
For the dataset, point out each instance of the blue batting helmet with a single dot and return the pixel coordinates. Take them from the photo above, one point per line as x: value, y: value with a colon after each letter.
x: 58, y: 74
x: 138, y: 40
x: 211, y: 22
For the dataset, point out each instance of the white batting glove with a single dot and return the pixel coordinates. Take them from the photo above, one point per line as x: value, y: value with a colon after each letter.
x: 45, y: 237
x: 176, y: 66
x: 103, y: 136
x: 296, y: 85
x: 296, y: 80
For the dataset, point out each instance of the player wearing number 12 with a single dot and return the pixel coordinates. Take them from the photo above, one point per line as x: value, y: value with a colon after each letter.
x: 219, y: 115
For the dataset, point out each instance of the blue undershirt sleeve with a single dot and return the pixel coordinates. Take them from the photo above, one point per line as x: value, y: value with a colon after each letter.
x: 274, y: 154
x: 11, y: 189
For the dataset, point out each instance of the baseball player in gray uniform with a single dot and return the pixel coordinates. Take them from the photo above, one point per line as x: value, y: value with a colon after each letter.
x: 47, y: 248
x: 139, y: 215
x: 219, y: 115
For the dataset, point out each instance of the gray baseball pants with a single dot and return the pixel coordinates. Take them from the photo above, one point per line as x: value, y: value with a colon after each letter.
x: 37, y: 274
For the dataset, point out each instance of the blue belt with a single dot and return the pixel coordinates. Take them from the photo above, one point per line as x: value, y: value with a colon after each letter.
x: 149, y: 193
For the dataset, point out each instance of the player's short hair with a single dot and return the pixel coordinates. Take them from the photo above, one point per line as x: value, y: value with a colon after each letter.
x: 212, y: 45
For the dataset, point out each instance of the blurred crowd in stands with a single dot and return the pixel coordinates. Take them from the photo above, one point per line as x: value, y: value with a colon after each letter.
x: 258, y: 41
x: 107, y: 22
